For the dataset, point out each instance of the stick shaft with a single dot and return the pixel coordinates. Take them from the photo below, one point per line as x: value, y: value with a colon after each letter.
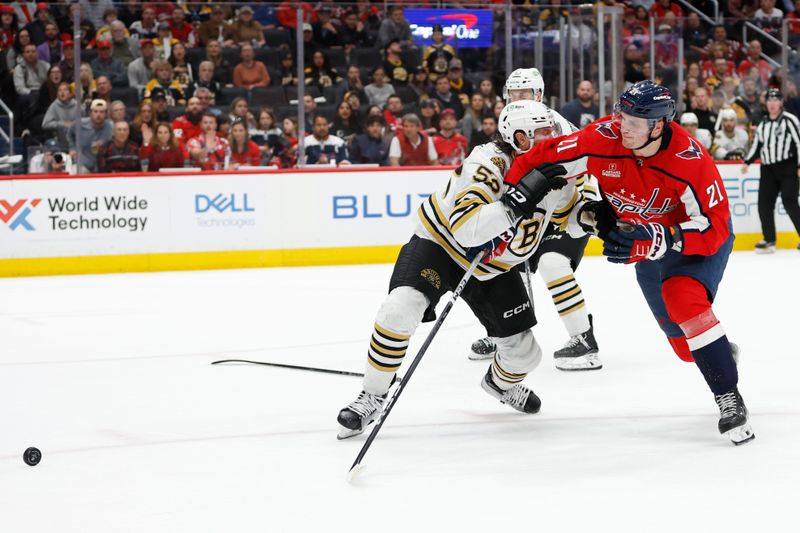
x: 293, y: 367
x: 416, y: 361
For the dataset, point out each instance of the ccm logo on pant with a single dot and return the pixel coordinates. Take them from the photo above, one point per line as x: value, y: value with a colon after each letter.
x: 517, y: 310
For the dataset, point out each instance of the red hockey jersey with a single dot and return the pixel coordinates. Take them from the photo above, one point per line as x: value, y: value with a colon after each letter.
x: 679, y: 185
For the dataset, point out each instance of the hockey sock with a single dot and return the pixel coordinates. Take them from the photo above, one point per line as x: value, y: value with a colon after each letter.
x: 557, y: 273
x: 516, y: 356
x: 396, y: 322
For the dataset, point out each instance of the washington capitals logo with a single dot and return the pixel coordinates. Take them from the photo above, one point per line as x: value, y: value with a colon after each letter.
x: 605, y: 129
x: 693, y: 152
x: 16, y: 214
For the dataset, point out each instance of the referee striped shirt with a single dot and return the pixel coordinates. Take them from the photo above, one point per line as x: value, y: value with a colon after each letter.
x: 776, y: 140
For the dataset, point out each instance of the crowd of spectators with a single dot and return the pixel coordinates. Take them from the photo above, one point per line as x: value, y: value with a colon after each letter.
x: 214, y: 85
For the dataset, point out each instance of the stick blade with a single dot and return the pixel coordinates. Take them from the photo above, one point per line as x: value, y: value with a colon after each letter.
x: 354, y: 472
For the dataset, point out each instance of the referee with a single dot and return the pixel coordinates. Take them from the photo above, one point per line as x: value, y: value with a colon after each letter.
x: 777, y: 144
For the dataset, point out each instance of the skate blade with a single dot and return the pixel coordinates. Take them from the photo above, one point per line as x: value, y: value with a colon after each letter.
x: 346, y: 433
x: 766, y: 251
x: 475, y: 356
x: 573, y: 364
x: 741, y: 435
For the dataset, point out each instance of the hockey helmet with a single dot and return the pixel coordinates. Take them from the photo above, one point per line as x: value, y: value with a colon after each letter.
x: 524, y: 78
x: 649, y: 100
x: 531, y: 118
x: 774, y: 93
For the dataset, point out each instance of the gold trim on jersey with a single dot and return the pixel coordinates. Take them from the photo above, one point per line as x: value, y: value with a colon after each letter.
x: 508, y: 377
x: 476, y: 190
x: 465, y: 211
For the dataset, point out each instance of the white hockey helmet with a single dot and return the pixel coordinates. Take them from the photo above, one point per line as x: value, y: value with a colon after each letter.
x: 524, y: 78
x: 531, y: 118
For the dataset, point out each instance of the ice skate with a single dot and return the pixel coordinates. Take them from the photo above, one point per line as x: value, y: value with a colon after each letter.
x: 765, y: 247
x: 733, y: 420
x: 580, y: 352
x: 361, y: 412
x: 519, y: 396
x: 484, y: 348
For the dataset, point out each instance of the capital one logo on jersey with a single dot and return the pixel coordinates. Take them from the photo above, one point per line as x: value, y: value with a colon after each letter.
x: 16, y: 214
x: 693, y: 152
x: 632, y: 204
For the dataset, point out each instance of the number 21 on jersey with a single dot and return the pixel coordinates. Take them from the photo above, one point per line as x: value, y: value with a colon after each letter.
x: 714, y: 192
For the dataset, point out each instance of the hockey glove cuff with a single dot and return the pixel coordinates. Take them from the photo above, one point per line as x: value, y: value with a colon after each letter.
x: 629, y: 243
x: 523, y: 197
x: 494, y: 248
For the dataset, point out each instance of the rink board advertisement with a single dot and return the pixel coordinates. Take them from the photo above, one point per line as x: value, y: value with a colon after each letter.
x: 183, y: 221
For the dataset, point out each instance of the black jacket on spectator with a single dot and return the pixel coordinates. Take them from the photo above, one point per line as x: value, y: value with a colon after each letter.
x: 453, y: 103
x: 477, y: 138
x: 705, y: 119
x: 212, y: 86
x: 353, y: 37
x: 223, y: 73
x: 365, y: 149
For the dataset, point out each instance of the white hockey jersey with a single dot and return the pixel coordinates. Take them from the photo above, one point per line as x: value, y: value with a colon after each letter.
x: 564, y: 126
x: 468, y: 212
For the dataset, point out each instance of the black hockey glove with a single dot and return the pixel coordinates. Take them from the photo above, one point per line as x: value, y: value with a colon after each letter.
x: 493, y: 248
x: 597, y: 217
x: 523, y: 197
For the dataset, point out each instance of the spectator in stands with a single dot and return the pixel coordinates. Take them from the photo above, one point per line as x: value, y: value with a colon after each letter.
x: 29, y: 76
x: 309, y: 44
x: 67, y: 60
x: 667, y: 48
x: 325, y: 31
x: 117, y: 111
x: 351, y: 83
x: 310, y: 112
x: 583, y: 109
x: 320, y: 74
x: 246, y: 30
x: 205, y: 80
x: 393, y: 114
x: 61, y: 114
x: 95, y: 132
x: 346, y: 123
x: 181, y: 68
x: 140, y: 69
x: 412, y: 147
x: 102, y: 89
x: 488, y: 129
x: 88, y: 28
x: 123, y: 48
x: 160, y: 150
x: 129, y: 11
x: 370, y: 147
x: 160, y: 107
x: 250, y: 73
x: 730, y: 142
x: 223, y: 73
x: 428, y: 116
x: 207, y: 101
x: 214, y: 29
x: 32, y: 118
x: 144, y: 122
x: 690, y: 122
x: 463, y: 88
x: 721, y: 69
x: 395, y: 27
x: 352, y: 98
x: 754, y: 59
x: 95, y: 9
x: 87, y: 84
x: 180, y: 29
x: 748, y: 89
x: 473, y: 116
x: 486, y: 89
x: 498, y: 107
x: 322, y: 148
x: 287, y: 69
x: 702, y: 108
x: 147, y: 27
x: 444, y: 93
x: 767, y: 16
x: 353, y: 33
x: 36, y: 28
x: 740, y: 9
x: 265, y: 14
x: 189, y: 124
x: 719, y: 36
x: 695, y: 37
x: 164, y: 42
x: 240, y: 111
x: 119, y: 154
x: 15, y: 54
x: 268, y: 136
x: 244, y: 152
x: 9, y: 26
x: 163, y: 79
x: 451, y: 147
x: 437, y: 56
x: 208, y: 150
x: 105, y: 65
x: 393, y: 65
x: 794, y: 25
x: 420, y: 83
x: 288, y: 158
x: 50, y: 50
x: 378, y: 92
x: 661, y: 7
x: 633, y: 59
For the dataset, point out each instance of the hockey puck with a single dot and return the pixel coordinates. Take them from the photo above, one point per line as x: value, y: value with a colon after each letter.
x: 32, y: 456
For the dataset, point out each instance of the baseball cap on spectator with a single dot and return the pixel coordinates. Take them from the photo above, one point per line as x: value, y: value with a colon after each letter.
x: 689, y: 118
x: 665, y: 27
x: 68, y: 43
x: 6, y: 8
x: 98, y: 104
x: 42, y: 6
x: 246, y: 9
x: 103, y: 44
x: 447, y: 112
x: 158, y: 94
x: 145, y: 42
x: 307, y: 27
x: 455, y: 64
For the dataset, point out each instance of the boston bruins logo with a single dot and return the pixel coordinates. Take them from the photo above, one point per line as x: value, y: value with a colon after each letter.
x: 432, y: 277
x: 500, y: 163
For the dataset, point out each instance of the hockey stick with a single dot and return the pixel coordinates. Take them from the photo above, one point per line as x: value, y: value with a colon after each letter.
x: 413, y: 366
x: 294, y: 367
x: 528, y: 279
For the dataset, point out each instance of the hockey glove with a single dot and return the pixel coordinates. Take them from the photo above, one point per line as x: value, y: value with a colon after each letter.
x: 493, y: 248
x: 533, y: 187
x: 633, y: 243
x: 597, y: 217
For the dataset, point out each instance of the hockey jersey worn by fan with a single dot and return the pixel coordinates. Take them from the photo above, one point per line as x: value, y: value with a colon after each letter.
x: 467, y: 213
x: 679, y: 185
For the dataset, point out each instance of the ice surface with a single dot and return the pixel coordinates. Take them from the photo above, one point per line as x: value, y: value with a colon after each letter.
x: 110, y: 377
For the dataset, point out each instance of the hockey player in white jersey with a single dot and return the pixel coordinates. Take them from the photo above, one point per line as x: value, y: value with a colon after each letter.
x: 476, y: 211
x: 558, y: 257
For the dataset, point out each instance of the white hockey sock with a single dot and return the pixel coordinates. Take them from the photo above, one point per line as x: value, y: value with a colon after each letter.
x: 557, y: 273
x: 396, y: 322
x: 516, y: 356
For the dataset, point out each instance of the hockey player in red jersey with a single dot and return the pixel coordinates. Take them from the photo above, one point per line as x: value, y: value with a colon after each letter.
x: 663, y: 207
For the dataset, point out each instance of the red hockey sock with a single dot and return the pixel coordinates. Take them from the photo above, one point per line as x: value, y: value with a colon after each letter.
x: 681, y: 348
